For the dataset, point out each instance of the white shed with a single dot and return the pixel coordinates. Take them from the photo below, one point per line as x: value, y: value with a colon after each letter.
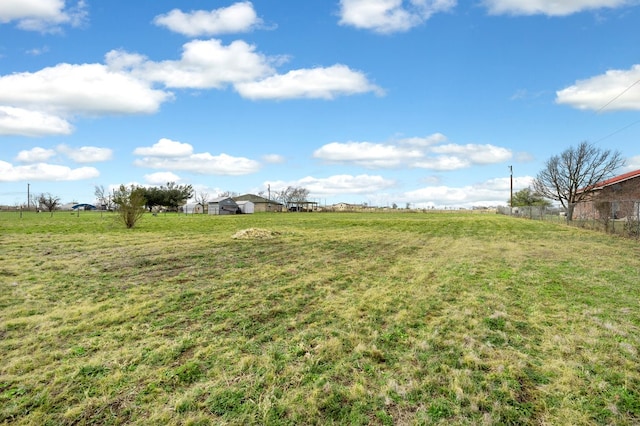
x: 191, y: 208
x: 246, y: 207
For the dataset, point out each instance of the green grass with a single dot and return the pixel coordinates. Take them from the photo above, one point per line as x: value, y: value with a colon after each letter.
x: 388, y: 319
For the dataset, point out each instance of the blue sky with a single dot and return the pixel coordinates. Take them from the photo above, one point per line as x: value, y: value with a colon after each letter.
x: 426, y: 102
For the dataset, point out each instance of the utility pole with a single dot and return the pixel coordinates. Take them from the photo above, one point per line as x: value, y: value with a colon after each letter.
x: 511, y: 189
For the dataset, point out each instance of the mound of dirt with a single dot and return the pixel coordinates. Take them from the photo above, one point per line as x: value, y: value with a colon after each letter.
x: 255, y: 234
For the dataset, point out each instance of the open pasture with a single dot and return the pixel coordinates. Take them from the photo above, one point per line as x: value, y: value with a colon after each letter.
x: 388, y: 319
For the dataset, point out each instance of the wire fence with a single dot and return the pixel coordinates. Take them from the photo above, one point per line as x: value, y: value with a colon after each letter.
x: 613, y: 216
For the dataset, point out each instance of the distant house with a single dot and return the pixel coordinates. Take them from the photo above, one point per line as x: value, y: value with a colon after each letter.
x: 615, y: 198
x: 223, y: 206
x: 343, y: 207
x: 261, y: 204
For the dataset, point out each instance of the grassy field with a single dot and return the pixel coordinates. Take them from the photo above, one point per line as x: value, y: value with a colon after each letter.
x: 388, y: 319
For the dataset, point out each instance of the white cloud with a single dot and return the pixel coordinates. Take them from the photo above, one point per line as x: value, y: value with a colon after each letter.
x: 367, y: 154
x: 489, y: 193
x: 86, y: 154
x: 237, y: 18
x: 389, y: 16
x: 633, y: 163
x: 89, y: 89
x: 205, y: 64
x: 24, y: 122
x: 161, y: 178
x: 44, y: 172
x: 337, y: 185
x: 35, y: 155
x: 549, y: 7
x: 172, y: 155
x: 165, y: 148
x: 42, y: 15
x: 316, y: 83
x: 426, y: 153
x: 475, y: 154
x: 203, y: 163
x: 613, y: 90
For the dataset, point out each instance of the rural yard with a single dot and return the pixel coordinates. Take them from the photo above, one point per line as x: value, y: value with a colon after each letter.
x: 454, y: 318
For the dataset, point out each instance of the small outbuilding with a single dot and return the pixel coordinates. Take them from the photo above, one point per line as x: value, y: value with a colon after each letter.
x: 246, y: 207
x: 193, y: 208
x: 223, y: 205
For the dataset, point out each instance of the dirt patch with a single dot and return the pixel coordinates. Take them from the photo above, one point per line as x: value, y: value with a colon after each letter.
x: 255, y: 234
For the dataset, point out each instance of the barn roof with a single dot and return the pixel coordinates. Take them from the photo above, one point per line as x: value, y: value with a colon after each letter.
x: 255, y: 199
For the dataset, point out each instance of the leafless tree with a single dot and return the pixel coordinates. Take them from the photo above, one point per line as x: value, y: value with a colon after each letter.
x: 103, y: 196
x: 48, y: 202
x: 292, y: 195
x: 202, y: 198
x: 570, y: 176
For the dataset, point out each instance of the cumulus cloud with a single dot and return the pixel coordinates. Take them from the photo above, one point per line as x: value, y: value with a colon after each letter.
x: 337, y: 185
x: 35, y: 155
x: 42, y: 15
x: 86, y: 154
x: 613, y: 90
x: 44, y: 172
x: 549, y: 7
x: 426, y: 153
x: 172, y: 155
x: 315, y: 83
x: 367, y: 154
x: 205, y: 64
x: 209, y: 64
x: 24, y: 122
x: 161, y: 178
x: 389, y: 16
x: 165, y: 148
x: 237, y: 18
x: 89, y: 89
x: 489, y: 193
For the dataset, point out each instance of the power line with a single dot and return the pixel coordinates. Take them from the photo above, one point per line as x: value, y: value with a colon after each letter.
x: 618, y: 131
x: 617, y: 96
x: 609, y: 103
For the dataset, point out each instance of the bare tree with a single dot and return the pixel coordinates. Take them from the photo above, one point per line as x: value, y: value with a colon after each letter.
x: 570, y: 176
x: 202, y: 198
x: 48, y: 202
x: 292, y: 195
x: 130, y: 202
x: 103, y: 196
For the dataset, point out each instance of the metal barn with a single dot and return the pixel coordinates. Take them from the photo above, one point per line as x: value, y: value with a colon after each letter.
x: 223, y: 205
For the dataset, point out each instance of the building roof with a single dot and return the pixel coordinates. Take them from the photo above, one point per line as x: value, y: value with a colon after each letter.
x: 616, y: 179
x: 219, y: 199
x: 255, y: 199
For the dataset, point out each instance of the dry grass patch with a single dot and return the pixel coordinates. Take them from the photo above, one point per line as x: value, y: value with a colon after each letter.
x: 255, y: 234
